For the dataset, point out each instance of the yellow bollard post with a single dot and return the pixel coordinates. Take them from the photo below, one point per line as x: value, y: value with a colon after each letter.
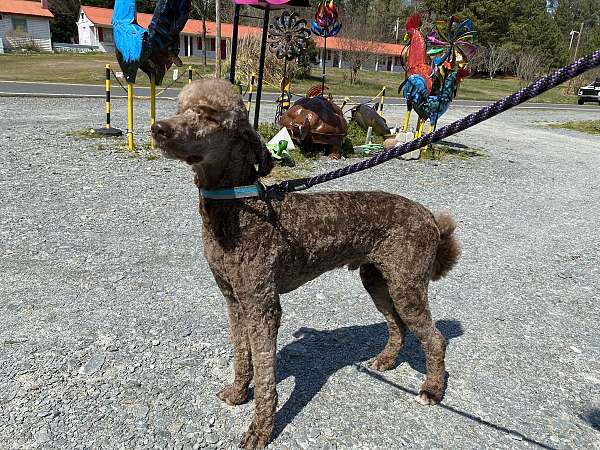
x: 250, y: 90
x: 190, y: 75
x: 152, y: 106
x: 381, y: 103
x: 130, y: 144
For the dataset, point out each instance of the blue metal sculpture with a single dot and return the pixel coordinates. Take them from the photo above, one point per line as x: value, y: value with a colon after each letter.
x: 153, y: 50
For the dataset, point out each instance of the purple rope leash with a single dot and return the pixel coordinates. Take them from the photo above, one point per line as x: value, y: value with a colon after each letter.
x: 527, y: 93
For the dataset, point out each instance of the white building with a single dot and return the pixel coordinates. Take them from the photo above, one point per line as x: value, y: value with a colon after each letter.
x: 95, y: 30
x: 25, y: 24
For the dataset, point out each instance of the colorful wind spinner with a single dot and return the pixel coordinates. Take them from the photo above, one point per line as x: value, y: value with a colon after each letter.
x: 452, y: 42
x: 326, y: 23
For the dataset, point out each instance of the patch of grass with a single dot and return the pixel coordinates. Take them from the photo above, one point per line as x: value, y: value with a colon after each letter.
x: 442, y: 152
x: 268, y: 130
x: 282, y: 173
x: 584, y: 126
x: 82, y: 68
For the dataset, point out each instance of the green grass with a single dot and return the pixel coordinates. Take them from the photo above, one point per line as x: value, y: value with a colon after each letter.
x: 89, y: 69
x: 442, y: 152
x: 584, y: 126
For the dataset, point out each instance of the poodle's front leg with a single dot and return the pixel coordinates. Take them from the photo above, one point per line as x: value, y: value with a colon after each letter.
x: 237, y: 393
x: 263, y: 319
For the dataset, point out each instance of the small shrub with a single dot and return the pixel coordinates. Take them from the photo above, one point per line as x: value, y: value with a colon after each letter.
x: 357, y: 135
x: 268, y: 130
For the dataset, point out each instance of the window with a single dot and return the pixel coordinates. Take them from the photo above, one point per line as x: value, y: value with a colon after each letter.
x: 200, y: 43
x: 19, y: 25
x: 108, y: 35
x: 101, y: 34
x: 82, y: 15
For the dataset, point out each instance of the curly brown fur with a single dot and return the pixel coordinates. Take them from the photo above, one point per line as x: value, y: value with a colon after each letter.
x: 258, y: 249
x: 448, y: 250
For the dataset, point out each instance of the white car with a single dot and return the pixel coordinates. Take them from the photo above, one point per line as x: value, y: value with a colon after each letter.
x: 589, y: 93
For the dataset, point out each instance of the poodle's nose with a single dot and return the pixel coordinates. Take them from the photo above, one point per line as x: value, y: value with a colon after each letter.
x: 161, y: 131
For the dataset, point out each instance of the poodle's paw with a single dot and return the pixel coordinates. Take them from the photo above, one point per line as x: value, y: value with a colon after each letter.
x: 432, y: 391
x: 233, y: 396
x: 255, y: 438
x: 382, y: 363
x: 426, y: 399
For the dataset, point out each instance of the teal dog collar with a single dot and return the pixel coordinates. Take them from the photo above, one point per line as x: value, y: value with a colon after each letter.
x: 252, y: 190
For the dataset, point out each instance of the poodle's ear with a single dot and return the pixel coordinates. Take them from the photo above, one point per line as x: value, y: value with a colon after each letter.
x: 264, y: 160
x: 262, y: 156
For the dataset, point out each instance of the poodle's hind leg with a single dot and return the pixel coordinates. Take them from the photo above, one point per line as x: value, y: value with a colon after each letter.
x: 237, y: 393
x: 377, y: 288
x: 410, y: 300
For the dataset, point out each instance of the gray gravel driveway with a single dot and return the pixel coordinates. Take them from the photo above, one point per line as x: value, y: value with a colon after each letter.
x: 113, y: 334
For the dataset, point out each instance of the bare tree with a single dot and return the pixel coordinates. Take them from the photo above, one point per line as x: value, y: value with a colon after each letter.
x: 360, y: 46
x: 494, y: 58
x: 202, y: 8
x: 528, y: 66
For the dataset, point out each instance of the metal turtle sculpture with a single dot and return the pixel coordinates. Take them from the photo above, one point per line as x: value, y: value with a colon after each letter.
x: 317, y: 120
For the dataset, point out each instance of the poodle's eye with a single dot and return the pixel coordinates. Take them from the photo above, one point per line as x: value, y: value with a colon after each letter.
x: 211, y: 119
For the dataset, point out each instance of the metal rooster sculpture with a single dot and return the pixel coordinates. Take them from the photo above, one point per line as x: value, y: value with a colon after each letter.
x: 429, y: 89
x: 153, y: 50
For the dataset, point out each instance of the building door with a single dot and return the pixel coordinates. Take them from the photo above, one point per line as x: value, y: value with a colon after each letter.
x: 223, y: 49
x: 186, y: 47
x: 389, y: 63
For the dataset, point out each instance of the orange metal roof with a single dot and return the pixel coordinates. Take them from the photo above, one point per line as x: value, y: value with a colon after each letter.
x: 103, y: 16
x: 344, y: 44
x: 25, y: 8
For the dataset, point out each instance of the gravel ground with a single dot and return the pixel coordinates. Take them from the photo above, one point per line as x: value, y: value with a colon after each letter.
x: 114, y: 335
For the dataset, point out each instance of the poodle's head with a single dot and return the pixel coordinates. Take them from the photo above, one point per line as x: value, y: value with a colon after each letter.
x: 211, y: 132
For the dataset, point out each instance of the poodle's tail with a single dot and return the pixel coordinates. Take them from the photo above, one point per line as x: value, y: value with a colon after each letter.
x: 448, y: 249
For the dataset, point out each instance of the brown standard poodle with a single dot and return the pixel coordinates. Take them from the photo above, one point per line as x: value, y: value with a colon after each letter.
x: 260, y: 248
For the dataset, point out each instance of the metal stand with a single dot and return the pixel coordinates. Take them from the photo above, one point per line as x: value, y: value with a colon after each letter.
x: 261, y: 67
x: 234, y: 43
x: 324, y: 64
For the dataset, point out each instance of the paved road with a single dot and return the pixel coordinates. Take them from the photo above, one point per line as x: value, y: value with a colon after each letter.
x: 37, y: 89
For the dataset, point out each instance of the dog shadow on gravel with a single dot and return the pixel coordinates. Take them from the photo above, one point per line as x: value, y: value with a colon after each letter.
x: 316, y: 355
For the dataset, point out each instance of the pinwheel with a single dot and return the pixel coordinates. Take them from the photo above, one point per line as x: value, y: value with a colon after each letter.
x: 326, y: 23
x: 452, y: 42
x: 288, y: 36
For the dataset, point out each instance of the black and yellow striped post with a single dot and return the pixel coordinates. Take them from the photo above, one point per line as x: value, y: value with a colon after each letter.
x: 250, y: 91
x: 107, y: 130
x: 152, y: 106
x: 190, y: 75
x: 130, y: 144
x: 381, y: 103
